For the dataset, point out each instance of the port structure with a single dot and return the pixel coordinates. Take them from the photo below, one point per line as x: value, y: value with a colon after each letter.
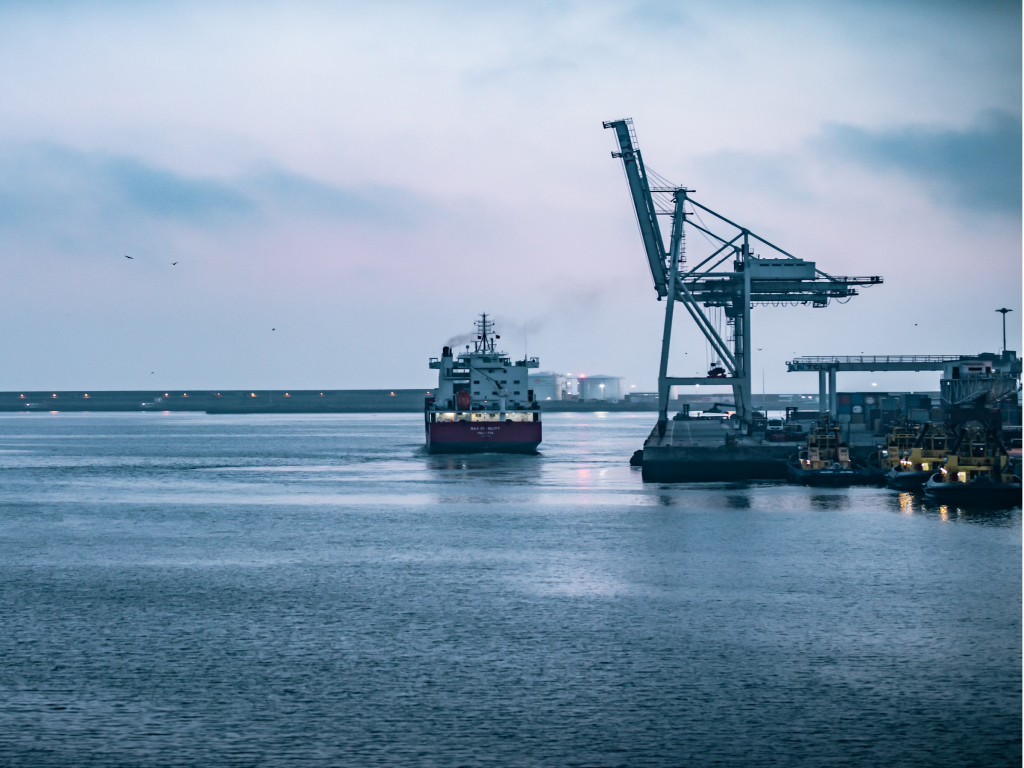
x: 999, y: 380
x: 731, y: 277
x: 828, y: 366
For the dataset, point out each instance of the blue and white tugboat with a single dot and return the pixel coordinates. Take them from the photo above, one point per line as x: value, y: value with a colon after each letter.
x: 483, y: 403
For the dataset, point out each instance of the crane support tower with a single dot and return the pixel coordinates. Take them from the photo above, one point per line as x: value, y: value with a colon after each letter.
x: 731, y: 277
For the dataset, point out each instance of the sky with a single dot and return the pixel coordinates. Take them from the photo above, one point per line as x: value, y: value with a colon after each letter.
x: 321, y: 195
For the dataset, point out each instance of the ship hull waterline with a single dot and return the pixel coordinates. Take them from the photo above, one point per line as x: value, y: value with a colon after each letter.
x: 823, y: 478
x: 908, y: 480
x: 986, y: 495
x: 483, y: 437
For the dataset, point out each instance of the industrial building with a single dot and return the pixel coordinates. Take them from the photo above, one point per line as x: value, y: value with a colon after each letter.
x: 965, y: 378
x: 600, y: 387
x: 547, y: 385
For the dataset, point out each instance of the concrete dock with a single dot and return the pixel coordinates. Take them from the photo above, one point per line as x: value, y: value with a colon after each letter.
x: 696, y: 450
x: 700, y: 450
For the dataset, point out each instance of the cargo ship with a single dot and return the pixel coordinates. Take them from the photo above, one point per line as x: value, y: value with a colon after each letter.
x: 483, y: 403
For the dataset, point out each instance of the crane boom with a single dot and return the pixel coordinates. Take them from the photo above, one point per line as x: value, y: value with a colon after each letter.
x: 643, y: 203
x: 750, y: 278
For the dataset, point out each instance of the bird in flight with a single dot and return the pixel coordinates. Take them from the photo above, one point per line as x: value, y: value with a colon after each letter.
x: 759, y: 349
x: 174, y: 263
x: 273, y: 329
x: 129, y: 257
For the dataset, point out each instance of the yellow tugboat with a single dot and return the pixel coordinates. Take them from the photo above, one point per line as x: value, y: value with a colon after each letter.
x: 825, y: 460
x: 897, y: 443
x: 912, y: 467
x: 977, y: 472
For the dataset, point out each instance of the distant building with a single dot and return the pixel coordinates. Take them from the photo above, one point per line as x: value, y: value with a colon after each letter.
x: 641, y: 397
x: 988, y: 378
x: 599, y: 387
x: 548, y: 386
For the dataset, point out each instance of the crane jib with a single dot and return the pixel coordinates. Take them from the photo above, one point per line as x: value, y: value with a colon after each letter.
x: 643, y: 203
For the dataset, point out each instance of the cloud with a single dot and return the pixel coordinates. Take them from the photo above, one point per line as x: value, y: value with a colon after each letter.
x: 779, y: 172
x: 656, y: 16
x: 371, y: 204
x: 56, y: 193
x: 42, y: 185
x: 164, y: 194
x: 978, y: 168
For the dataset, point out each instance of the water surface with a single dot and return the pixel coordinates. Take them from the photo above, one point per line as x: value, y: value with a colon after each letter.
x: 181, y: 589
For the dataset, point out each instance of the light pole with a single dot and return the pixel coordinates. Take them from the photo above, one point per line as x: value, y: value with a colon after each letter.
x: 1003, y: 312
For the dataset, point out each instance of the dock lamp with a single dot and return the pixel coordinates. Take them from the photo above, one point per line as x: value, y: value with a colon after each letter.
x: 1003, y: 312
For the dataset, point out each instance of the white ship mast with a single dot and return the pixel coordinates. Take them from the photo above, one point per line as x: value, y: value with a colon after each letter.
x: 484, y: 345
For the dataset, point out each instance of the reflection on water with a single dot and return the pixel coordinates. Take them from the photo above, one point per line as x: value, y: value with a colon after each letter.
x: 916, y: 503
x: 319, y: 591
x: 737, y: 500
x: 906, y: 502
x: 840, y: 499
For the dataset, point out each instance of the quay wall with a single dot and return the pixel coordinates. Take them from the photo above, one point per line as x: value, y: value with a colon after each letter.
x: 705, y: 463
x: 258, y: 401
x: 300, y: 401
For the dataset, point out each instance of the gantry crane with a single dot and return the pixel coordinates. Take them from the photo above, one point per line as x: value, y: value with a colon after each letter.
x: 748, y: 278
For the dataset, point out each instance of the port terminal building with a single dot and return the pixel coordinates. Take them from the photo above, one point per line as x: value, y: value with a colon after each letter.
x: 993, y: 377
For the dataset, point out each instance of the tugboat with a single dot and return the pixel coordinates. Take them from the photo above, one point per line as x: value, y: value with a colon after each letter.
x: 976, y: 473
x: 825, y: 461
x: 483, y: 403
x: 912, y: 467
x: 897, y: 442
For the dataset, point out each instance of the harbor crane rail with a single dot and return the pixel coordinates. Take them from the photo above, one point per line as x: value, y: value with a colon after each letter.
x: 732, y: 277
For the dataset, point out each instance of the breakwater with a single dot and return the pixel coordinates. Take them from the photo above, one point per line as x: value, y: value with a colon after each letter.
x: 316, y: 401
x: 257, y: 401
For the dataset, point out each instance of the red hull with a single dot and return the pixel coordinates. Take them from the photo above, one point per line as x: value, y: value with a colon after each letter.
x: 483, y: 436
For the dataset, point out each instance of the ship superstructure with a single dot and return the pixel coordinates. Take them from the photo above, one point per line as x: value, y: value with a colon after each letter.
x: 483, y: 401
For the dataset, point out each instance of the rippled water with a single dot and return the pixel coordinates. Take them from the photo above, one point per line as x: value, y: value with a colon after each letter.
x: 179, y: 589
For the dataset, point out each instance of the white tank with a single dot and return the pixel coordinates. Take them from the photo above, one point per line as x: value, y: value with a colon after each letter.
x: 599, y: 387
x: 547, y: 386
